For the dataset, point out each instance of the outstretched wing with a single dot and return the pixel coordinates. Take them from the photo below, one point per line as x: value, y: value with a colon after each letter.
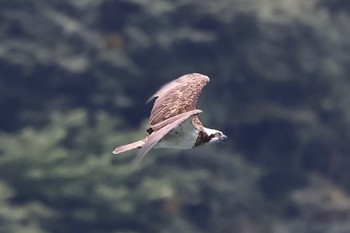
x: 156, y: 136
x: 176, y: 97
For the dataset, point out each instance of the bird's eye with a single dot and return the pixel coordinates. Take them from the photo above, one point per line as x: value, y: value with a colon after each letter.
x: 217, y: 134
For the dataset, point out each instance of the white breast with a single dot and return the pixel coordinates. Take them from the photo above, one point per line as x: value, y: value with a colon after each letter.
x: 182, y: 137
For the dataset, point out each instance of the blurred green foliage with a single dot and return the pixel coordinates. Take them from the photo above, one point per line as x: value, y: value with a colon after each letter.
x: 74, y: 78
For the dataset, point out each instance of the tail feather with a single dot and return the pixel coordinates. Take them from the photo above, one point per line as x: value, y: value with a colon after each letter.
x: 127, y: 147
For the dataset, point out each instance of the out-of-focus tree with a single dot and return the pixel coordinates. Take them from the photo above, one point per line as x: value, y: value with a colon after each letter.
x: 75, y: 75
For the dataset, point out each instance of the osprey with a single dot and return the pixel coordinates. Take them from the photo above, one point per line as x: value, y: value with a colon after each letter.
x: 174, y: 121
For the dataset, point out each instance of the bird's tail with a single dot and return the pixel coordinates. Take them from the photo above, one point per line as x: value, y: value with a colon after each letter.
x: 127, y: 147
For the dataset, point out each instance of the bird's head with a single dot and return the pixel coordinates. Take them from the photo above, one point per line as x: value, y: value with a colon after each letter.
x: 215, y: 135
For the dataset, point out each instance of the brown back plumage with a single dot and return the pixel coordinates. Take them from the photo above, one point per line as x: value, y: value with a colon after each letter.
x: 177, y: 97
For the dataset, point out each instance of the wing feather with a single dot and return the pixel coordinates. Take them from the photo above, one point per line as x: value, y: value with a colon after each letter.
x: 176, y: 97
x: 156, y: 136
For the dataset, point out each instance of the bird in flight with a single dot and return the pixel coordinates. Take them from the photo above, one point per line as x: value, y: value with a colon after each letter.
x: 174, y: 121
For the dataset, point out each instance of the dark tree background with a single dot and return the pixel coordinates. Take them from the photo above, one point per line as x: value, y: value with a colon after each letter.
x: 74, y: 78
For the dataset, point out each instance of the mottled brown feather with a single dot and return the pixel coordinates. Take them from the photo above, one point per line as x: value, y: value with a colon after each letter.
x: 176, y: 97
x: 197, y: 123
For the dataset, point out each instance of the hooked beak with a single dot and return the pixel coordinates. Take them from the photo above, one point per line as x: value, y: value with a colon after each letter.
x: 223, y: 138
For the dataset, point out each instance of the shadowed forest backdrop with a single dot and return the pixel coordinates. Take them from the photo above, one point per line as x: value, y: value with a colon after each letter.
x: 74, y: 79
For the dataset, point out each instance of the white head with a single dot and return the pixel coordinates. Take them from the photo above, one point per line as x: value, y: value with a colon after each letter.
x: 215, y: 135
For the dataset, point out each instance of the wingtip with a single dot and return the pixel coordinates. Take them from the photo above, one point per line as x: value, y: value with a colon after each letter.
x: 115, y: 151
x: 203, y: 76
x: 150, y: 99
